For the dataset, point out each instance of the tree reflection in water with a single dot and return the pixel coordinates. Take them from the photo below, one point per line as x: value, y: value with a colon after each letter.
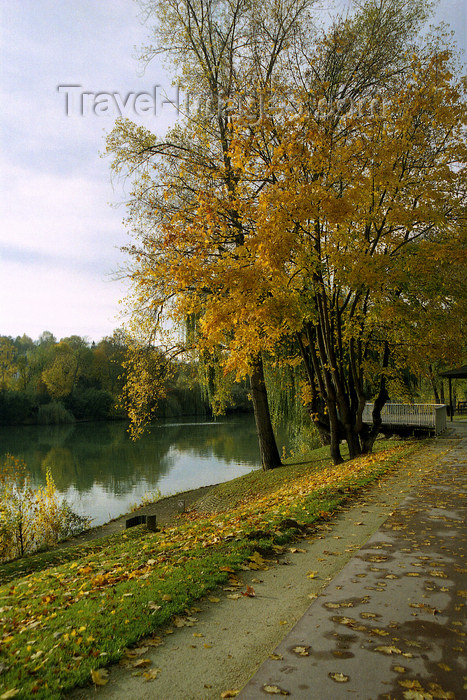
x: 102, y: 472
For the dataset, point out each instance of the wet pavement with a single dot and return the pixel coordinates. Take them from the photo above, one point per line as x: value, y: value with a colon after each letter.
x: 392, y: 624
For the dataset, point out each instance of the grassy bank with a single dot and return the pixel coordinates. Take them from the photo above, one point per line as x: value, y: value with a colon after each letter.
x: 80, y: 609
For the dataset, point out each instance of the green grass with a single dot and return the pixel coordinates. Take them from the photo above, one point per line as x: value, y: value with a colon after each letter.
x: 65, y: 613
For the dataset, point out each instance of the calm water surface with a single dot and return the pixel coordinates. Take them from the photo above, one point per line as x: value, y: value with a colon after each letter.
x: 102, y: 472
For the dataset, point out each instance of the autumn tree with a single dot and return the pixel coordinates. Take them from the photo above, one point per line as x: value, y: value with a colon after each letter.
x: 248, y: 222
x: 108, y: 356
x: 8, y: 362
x: 24, y: 346
x: 356, y: 247
x: 61, y: 376
x: 226, y: 52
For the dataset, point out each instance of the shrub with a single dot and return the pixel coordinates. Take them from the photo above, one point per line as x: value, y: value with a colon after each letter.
x: 54, y: 413
x: 31, y: 519
x: 15, y: 407
x: 90, y: 404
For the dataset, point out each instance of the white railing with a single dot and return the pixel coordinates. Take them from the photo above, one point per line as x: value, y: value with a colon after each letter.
x: 421, y: 415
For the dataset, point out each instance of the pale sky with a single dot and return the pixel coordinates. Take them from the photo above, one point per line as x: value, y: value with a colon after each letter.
x: 59, y: 236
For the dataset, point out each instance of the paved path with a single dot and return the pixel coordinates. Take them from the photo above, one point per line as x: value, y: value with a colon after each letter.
x: 392, y: 624
x: 224, y: 643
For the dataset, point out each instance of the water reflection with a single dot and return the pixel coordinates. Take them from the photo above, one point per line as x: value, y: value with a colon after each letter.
x: 99, y: 469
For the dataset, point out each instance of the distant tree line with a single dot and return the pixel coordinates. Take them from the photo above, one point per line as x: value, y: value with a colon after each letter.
x: 47, y: 381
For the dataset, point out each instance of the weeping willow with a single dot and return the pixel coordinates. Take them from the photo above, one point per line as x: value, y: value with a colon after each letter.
x: 291, y: 420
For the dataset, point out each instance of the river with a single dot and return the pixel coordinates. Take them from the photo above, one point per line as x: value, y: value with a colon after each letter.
x: 102, y: 473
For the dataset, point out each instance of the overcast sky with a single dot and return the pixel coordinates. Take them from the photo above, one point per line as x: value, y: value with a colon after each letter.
x: 59, y: 236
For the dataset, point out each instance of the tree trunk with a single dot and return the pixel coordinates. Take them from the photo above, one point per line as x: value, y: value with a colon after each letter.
x: 381, y: 399
x: 327, y: 423
x: 316, y: 407
x: 348, y: 422
x: 270, y: 458
x: 433, y: 384
x: 334, y: 436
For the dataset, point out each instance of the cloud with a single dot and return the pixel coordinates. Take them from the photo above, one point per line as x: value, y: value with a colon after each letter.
x: 66, y: 217
x: 62, y: 299
x: 59, y: 237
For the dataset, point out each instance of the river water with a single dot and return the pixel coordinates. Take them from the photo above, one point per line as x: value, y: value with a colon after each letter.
x: 102, y: 473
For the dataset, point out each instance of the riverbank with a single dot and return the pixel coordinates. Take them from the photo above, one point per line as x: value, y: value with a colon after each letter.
x: 166, y: 509
x: 102, y: 473
x: 112, y: 593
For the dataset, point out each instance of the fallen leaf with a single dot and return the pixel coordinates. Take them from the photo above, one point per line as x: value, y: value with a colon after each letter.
x: 140, y: 663
x: 437, y: 692
x: 339, y: 677
x: 229, y: 694
x: 152, y: 674
x: 312, y: 574
x: 301, y: 651
x: 276, y: 657
x: 344, y: 604
x: 214, y: 600
x: 258, y: 559
x: 275, y: 690
x: 9, y: 694
x: 167, y: 597
x: 234, y: 596
x: 250, y: 592
x: 388, y: 650
x: 412, y: 685
x: 198, y: 634
x: 349, y: 621
x: 444, y: 667
x: 153, y: 641
x: 85, y: 570
x: 297, y: 550
x: 140, y: 651
x: 377, y: 558
x: 437, y: 573
x: 427, y: 608
x: 99, y: 676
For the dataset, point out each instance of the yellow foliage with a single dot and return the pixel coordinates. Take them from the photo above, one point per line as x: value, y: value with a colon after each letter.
x: 335, y: 229
x: 31, y: 518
